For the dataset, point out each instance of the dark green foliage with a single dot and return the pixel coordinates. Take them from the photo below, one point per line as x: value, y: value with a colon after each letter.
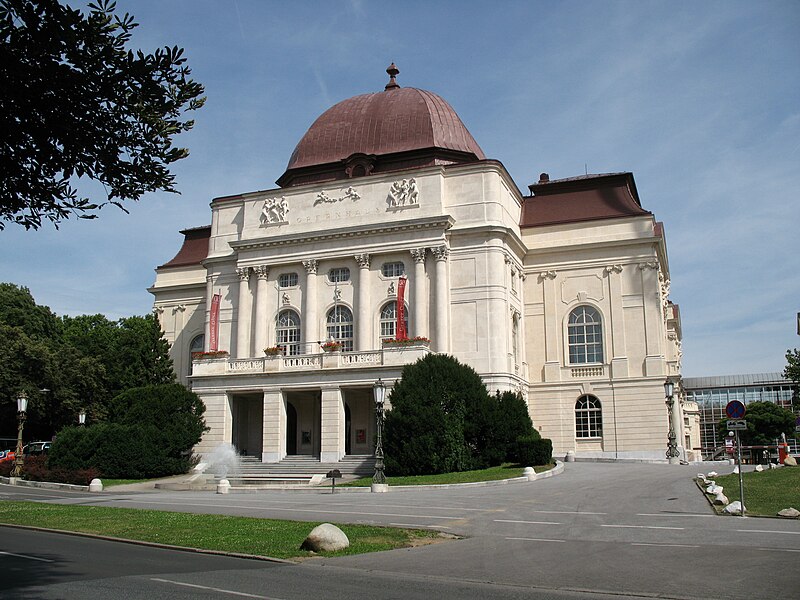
x: 150, y: 433
x: 37, y: 469
x: 792, y: 372
x: 76, y: 104
x: 534, y: 450
x: 443, y: 420
x: 19, y: 309
x: 766, y: 421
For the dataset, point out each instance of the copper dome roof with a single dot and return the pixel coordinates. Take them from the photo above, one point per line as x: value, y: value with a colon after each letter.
x: 408, y: 126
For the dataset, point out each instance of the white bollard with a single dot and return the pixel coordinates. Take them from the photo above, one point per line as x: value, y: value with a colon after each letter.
x: 95, y: 485
x: 570, y: 457
x: 224, y: 486
x: 529, y: 473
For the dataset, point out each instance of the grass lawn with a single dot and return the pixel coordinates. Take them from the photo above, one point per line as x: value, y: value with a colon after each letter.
x: 506, y: 471
x: 767, y: 492
x: 113, y: 482
x: 261, y: 537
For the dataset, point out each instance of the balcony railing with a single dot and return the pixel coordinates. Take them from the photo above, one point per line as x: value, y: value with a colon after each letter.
x: 395, y: 356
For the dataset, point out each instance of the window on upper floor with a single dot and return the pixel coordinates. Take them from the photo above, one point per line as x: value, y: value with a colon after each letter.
x: 588, y: 417
x: 585, y: 336
x: 393, y: 269
x: 339, y: 274
x: 340, y: 327
x: 197, y: 345
x: 287, y: 332
x: 287, y: 280
x: 389, y: 320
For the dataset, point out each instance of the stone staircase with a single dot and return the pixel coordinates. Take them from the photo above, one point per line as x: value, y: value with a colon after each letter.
x: 297, y: 470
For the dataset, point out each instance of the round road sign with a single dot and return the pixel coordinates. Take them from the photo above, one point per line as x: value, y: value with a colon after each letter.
x: 735, y: 410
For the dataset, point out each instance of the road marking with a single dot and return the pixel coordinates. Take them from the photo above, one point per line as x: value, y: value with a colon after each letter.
x: 666, y: 545
x: 642, y: 527
x: 26, y: 556
x: 527, y: 522
x: 675, y: 515
x: 416, y: 525
x: 308, y: 510
x: 534, y: 539
x: 767, y: 531
x: 213, y: 589
x: 777, y: 550
x: 566, y: 512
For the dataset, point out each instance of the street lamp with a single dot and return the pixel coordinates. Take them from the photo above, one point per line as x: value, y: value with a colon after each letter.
x: 672, y: 446
x: 82, y: 417
x: 22, y: 408
x: 379, y: 479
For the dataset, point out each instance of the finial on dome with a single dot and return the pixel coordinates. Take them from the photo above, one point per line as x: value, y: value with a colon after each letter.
x: 392, y: 70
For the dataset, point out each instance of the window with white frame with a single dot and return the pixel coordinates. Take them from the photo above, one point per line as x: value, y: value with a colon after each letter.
x: 340, y: 327
x: 389, y: 320
x: 585, y: 336
x: 588, y: 418
x: 287, y: 280
x: 339, y: 274
x: 196, y: 345
x: 393, y: 269
x: 287, y: 332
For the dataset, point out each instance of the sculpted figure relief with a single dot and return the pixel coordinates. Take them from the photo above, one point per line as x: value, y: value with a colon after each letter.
x: 404, y: 193
x: 349, y: 193
x: 274, y: 211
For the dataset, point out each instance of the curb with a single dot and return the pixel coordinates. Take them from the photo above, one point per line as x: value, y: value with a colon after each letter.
x: 152, y: 544
x: 47, y: 485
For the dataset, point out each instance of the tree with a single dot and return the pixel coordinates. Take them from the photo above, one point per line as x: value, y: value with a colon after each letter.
x: 792, y: 372
x: 766, y: 421
x: 77, y: 105
x: 19, y: 309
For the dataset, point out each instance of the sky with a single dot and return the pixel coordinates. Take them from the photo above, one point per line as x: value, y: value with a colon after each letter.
x: 699, y: 100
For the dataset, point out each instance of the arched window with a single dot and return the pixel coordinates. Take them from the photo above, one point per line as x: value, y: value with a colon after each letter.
x: 389, y: 320
x: 287, y: 333
x: 197, y: 344
x: 515, y: 339
x: 588, y: 418
x: 585, y: 333
x: 340, y: 327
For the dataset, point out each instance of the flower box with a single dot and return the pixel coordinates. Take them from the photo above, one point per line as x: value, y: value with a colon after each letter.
x: 274, y: 351
x: 209, y: 355
x: 415, y: 341
x: 331, y: 346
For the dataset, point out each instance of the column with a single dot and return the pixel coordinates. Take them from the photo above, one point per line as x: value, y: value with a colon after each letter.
x: 260, y: 326
x: 441, y: 337
x: 552, y: 329
x: 243, y: 314
x: 654, y: 363
x: 363, y: 314
x: 207, y: 329
x: 332, y: 437
x: 274, y: 427
x: 310, y: 321
x: 619, y: 360
x: 419, y: 304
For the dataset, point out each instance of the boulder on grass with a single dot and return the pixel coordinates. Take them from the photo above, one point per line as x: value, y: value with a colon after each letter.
x: 789, y: 513
x: 325, y: 538
x: 759, y: 468
x: 790, y: 461
x: 712, y: 474
x: 721, y: 499
x: 734, y: 508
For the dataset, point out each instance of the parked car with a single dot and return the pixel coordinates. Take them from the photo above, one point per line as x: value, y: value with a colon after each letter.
x: 35, y: 448
x: 7, y: 456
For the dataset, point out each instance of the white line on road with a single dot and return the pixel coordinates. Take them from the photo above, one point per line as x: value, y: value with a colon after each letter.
x: 767, y: 531
x: 25, y: 556
x: 777, y: 550
x: 566, y: 512
x: 535, y: 539
x: 526, y: 522
x: 213, y: 589
x: 308, y: 510
x: 666, y: 545
x: 643, y: 527
x: 417, y: 525
x: 675, y: 515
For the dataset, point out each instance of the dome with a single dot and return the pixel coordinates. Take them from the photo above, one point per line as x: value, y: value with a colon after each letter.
x: 393, y: 129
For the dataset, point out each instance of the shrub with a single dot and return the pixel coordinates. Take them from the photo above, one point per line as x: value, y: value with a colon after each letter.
x: 534, y: 450
x: 36, y: 469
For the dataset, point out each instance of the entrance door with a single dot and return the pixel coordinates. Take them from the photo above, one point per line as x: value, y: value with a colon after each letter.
x: 291, y: 428
x: 348, y: 421
x: 248, y: 424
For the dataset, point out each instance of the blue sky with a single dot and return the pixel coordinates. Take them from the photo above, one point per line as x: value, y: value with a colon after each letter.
x: 700, y: 100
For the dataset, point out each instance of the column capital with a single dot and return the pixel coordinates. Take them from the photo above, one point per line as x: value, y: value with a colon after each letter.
x: 441, y: 253
x: 311, y: 266
x: 612, y: 269
x: 650, y: 264
x: 261, y: 271
x: 547, y: 275
x: 243, y: 273
x: 419, y: 254
x: 362, y: 260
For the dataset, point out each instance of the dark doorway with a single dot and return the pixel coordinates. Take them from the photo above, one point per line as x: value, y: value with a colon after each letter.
x: 347, y: 424
x: 248, y: 417
x: 291, y: 429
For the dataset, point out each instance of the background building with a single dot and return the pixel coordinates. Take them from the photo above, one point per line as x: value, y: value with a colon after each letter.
x: 561, y: 294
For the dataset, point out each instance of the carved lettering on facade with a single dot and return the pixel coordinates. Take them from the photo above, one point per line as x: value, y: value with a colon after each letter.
x: 274, y: 211
x: 403, y: 194
x: 349, y: 194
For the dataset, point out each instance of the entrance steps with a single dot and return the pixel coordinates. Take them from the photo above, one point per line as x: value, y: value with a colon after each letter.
x: 296, y: 470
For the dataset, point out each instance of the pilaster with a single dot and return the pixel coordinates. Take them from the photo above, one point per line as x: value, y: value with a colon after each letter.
x: 260, y: 325
x: 441, y: 338
x: 243, y: 314
x: 274, y: 427
x: 310, y: 321
x: 552, y: 364
x: 619, y: 359
x: 363, y: 316
x: 332, y: 437
x: 419, y: 305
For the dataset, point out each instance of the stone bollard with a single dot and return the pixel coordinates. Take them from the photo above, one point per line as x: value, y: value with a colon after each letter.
x: 570, y: 457
x: 95, y: 485
x: 529, y: 473
x: 379, y: 488
x: 224, y: 486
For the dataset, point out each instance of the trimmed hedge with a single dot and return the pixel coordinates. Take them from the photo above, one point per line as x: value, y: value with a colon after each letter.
x: 36, y: 468
x: 533, y: 450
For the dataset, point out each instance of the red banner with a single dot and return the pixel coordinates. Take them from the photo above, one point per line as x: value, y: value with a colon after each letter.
x: 213, y: 343
x: 402, y: 334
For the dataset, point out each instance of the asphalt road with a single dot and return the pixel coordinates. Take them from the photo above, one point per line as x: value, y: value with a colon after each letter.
x: 622, y: 530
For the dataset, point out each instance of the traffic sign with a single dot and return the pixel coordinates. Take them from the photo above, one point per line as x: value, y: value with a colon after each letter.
x: 736, y: 425
x: 735, y: 410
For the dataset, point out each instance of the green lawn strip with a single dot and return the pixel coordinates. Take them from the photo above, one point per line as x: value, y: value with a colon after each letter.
x: 113, y: 482
x: 765, y: 493
x: 261, y: 537
x: 506, y: 471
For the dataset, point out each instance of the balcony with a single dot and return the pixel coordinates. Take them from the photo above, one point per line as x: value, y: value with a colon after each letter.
x: 390, y: 356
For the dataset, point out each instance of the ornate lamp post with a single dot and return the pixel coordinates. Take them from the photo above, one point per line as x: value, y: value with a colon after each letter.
x: 672, y: 446
x: 379, y: 479
x: 22, y: 408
